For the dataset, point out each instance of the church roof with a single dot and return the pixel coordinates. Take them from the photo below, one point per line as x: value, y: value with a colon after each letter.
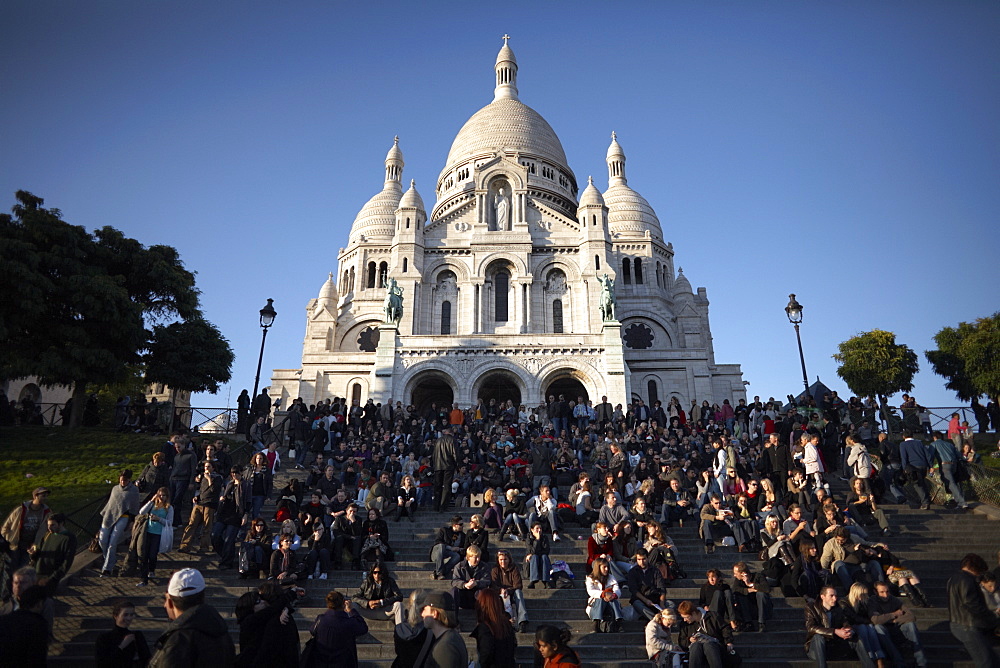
x: 507, y: 124
x: 591, y: 196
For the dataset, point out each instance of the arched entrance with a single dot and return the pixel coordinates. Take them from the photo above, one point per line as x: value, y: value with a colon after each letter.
x: 431, y: 390
x: 568, y: 386
x: 500, y: 386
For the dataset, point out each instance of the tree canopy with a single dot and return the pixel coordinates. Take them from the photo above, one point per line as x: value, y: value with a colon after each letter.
x: 873, y: 364
x: 967, y: 357
x: 190, y: 355
x: 83, y: 308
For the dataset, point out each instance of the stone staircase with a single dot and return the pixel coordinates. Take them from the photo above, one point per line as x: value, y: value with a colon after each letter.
x: 932, y: 542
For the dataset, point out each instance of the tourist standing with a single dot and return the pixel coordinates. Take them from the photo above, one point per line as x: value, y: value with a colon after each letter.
x: 971, y: 620
x: 206, y: 500
x: 121, y: 507
x: 159, y: 533
x: 24, y: 527
x: 181, y: 478
x: 336, y: 632
x: 444, y: 463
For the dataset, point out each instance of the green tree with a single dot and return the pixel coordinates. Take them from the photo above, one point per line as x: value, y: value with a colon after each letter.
x: 191, y: 355
x: 966, y: 357
x: 874, y: 365
x: 80, y: 305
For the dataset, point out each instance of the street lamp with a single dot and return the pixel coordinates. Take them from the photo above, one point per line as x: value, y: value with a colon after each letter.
x: 267, y: 316
x: 794, y: 313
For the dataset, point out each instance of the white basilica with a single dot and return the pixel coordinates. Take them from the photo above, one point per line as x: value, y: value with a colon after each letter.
x: 500, y: 284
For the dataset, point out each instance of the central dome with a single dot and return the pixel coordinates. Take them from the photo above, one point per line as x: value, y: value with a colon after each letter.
x: 509, y: 124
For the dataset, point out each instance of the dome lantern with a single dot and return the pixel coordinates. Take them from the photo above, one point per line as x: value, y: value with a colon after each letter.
x: 506, y: 70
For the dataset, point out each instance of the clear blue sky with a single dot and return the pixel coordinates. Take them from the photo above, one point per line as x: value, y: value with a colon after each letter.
x: 848, y: 152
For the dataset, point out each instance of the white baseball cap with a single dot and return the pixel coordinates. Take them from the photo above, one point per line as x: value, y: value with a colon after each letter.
x: 186, y: 582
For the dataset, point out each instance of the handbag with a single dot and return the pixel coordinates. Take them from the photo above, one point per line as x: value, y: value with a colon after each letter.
x: 95, y: 545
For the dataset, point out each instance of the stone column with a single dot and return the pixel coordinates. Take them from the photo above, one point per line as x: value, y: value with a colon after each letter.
x: 619, y: 386
x: 380, y: 380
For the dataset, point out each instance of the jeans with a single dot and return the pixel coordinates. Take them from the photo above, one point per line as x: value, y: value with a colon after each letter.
x: 977, y: 643
x: 442, y: 489
x: 321, y: 555
x: 599, y: 606
x: 178, y: 495
x: 846, y: 572
x: 550, y: 516
x: 909, y: 631
x: 669, y: 514
x: 444, y: 559
x: 256, y: 506
x: 109, y: 539
x: 643, y: 611
x: 720, y: 599
x: 705, y: 653
x: 869, y: 638
x: 516, y: 597
x: 147, y: 560
x: 818, y: 650
x: 224, y: 542
x: 948, y: 474
x: 751, y: 605
x: 920, y: 487
x: 539, y: 567
x: 517, y: 521
x: 712, y: 530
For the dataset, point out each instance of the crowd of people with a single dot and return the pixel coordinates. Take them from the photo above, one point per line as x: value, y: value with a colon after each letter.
x: 753, y: 477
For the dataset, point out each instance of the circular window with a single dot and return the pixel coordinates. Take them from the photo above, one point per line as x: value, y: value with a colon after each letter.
x: 368, y: 339
x: 638, y: 337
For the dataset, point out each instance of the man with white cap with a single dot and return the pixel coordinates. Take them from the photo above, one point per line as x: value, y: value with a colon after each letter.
x: 197, y: 635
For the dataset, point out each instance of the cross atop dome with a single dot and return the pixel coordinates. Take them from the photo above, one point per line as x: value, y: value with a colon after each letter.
x: 506, y: 71
x: 505, y: 38
x: 614, y: 135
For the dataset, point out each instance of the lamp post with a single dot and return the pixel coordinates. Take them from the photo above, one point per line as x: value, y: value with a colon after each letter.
x: 267, y: 316
x: 794, y: 313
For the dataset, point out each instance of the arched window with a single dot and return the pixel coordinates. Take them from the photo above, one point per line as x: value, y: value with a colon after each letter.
x: 501, y: 285
x: 626, y: 272
x: 597, y: 262
x: 371, y: 275
x: 404, y: 265
x: 407, y: 223
x: 638, y: 271
x: 329, y: 338
x: 356, y: 394
x: 651, y: 391
x: 383, y: 274
x: 350, y: 287
x: 445, y: 318
x: 557, y: 316
x: 659, y: 276
x: 594, y: 217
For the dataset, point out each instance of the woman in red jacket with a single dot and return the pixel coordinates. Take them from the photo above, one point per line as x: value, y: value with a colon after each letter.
x: 553, y: 644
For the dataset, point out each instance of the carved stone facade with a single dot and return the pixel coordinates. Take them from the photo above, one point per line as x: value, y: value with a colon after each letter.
x: 501, y: 297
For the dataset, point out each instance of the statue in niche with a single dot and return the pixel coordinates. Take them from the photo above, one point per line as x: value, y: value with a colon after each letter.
x: 607, y: 298
x: 393, y: 304
x: 502, y: 204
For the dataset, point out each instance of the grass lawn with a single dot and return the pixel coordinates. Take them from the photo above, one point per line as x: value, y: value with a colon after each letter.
x: 77, y: 465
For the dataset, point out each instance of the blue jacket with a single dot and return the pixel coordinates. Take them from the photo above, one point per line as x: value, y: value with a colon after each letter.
x: 914, y: 453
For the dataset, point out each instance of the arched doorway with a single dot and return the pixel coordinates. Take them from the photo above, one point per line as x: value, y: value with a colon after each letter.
x: 431, y: 390
x: 500, y: 386
x: 568, y: 386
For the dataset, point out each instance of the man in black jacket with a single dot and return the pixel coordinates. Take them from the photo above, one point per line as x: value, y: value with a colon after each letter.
x: 647, y: 586
x: 231, y: 515
x: 971, y: 621
x: 779, y: 463
x: 449, y: 546
x: 703, y: 635
x: 828, y: 633
x: 206, y: 501
x: 444, y: 463
x: 197, y: 634
x: 468, y: 578
x: 751, y: 596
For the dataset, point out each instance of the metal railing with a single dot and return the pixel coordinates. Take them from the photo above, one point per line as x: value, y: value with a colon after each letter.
x: 983, y: 485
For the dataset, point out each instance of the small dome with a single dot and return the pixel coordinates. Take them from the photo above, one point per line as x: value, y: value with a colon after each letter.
x: 682, y: 286
x: 378, y: 216
x: 629, y: 213
x: 411, y: 198
x: 506, y: 55
x: 394, y: 153
x: 615, y: 149
x: 591, y: 196
x: 329, y: 291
